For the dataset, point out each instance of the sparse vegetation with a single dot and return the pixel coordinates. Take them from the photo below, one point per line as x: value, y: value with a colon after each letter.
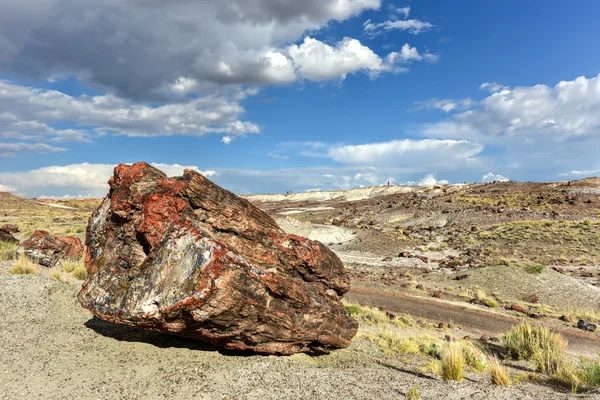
x: 413, y: 392
x: 375, y: 316
x: 80, y: 272
x: 475, y: 358
x: 588, y: 373
x: 55, y: 273
x: 23, y: 267
x: 541, y: 240
x: 538, y: 344
x: 499, y: 374
x: 535, y: 269
x: 71, y: 264
x: 453, y: 362
x: 8, y: 251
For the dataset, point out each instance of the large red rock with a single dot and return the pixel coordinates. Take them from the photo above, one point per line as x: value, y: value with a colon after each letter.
x: 50, y: 251
x: 186, y: 257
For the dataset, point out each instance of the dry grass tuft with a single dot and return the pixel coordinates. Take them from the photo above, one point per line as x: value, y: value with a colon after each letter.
x: 379, y: 318
x: 453, y: 362
x: 71, y: 264
x: 8, y: 251
x: 80, y: 272
x: 583, y: 377
x: 538, y: 344
x: 23, y: 267
x: 55, y: 273
x: 413, y: 392
x: 499, y: 374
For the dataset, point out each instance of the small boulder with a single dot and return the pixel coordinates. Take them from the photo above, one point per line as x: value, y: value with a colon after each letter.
x: 586, y: 326
x: 518, y: 308
x: 7, y: 237
x: 11, y: 228
x: 50, y: 251
x: 566, y: 318
x: 531, y: 299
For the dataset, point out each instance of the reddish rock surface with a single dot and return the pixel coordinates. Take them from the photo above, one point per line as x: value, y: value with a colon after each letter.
x: 12, y: 228
x: 186, y: 257
x: 7, y: 237
x: 50, y: 251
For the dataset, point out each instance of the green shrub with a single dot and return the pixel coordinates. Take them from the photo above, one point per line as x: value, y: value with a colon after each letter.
x: 535, y: 269
x: 588, y: 373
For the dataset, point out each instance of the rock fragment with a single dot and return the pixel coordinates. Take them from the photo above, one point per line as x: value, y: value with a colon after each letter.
x: 7, y: 237
x: 50, y: 251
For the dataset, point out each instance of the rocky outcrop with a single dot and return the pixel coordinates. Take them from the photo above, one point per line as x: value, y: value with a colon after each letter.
x: 11, y: 228
x: 186, y: 257
x: 50, y: 251
x: 7, y: 237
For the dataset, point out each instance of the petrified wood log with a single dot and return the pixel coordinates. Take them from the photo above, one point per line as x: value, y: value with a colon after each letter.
x: 186, y: 257
x: 50, y: 251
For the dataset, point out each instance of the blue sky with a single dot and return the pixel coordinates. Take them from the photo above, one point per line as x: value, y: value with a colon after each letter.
x: 270, y: 96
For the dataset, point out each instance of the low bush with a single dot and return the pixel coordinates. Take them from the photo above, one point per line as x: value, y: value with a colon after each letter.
x: 535, y: 269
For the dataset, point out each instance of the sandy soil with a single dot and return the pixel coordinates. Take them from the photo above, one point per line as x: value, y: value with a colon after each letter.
x: 53, y: 349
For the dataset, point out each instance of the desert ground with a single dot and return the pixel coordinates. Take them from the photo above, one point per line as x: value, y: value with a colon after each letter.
x: 429, y: 267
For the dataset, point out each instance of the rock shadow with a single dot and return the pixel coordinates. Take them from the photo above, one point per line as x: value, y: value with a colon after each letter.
x: 124, y: 333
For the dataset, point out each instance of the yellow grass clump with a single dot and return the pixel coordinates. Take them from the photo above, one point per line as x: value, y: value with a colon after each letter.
x: 453, y: 362
x: 8, y: 251
x: 80, y: 272
x: 537, y: 344
x: 499, y: 374
x: 23, y: 266
x: 413, y: 392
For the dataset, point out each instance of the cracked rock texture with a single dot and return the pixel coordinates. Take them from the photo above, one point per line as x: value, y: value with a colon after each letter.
x: 186, y: 257
x: 50, y: 251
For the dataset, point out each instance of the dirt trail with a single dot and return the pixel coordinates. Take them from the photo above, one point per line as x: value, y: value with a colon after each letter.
x: 479, y: 321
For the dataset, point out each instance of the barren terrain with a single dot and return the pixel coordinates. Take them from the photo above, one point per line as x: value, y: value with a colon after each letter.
x: 462, y: 261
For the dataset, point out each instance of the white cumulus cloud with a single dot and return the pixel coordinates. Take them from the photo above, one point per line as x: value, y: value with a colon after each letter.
x: 317, y: 61
x: 75, y: 180
x: 408, y: 153
x: 490, y: 177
